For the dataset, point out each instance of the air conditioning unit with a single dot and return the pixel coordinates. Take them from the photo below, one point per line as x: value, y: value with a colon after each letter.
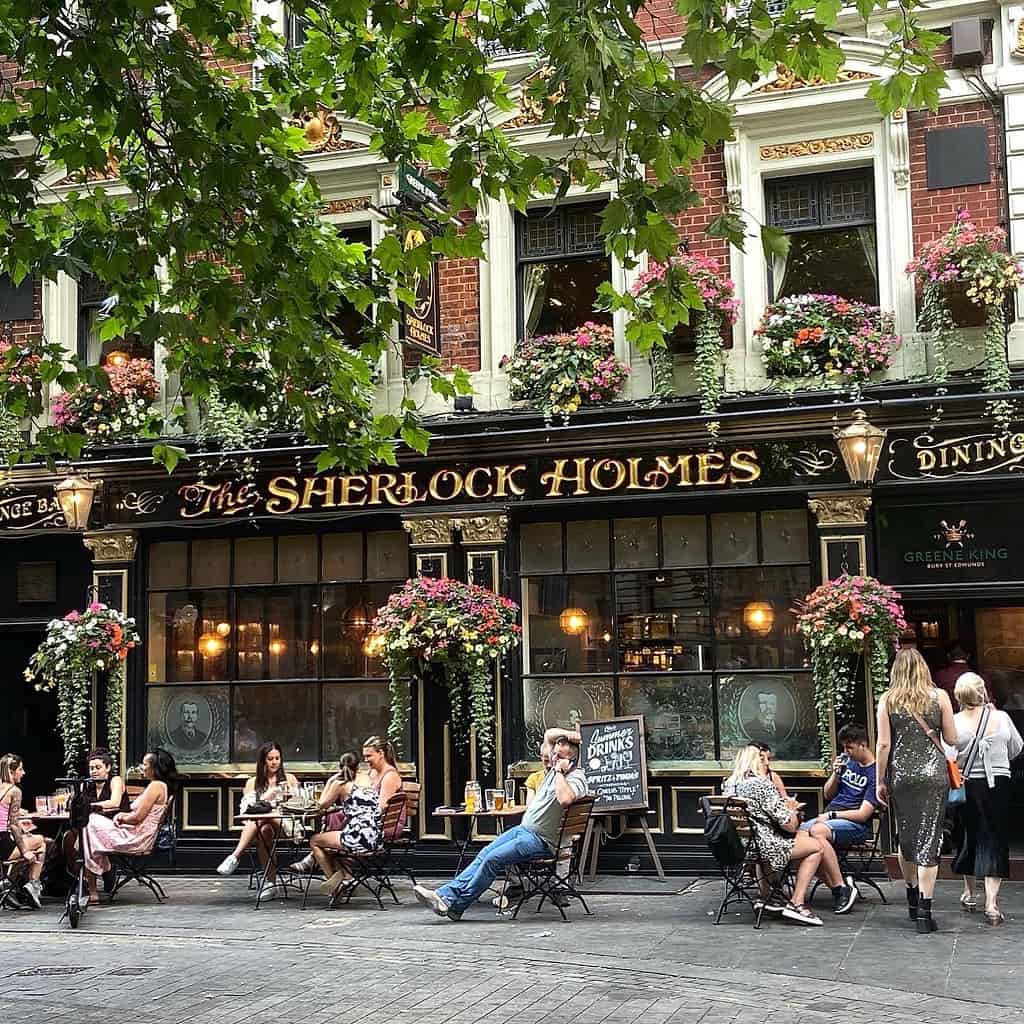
x: 968, y: 43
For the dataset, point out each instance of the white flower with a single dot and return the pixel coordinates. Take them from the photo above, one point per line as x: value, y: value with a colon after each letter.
x: 842, y: 631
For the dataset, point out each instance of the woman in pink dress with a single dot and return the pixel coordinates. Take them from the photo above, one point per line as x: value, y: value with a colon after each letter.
x: 131, y: 831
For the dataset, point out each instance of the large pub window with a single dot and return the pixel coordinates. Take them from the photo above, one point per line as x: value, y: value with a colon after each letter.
x: 560, y: 263
x: 830, y: 221
x: 685, y: 619
x: 267, y: 638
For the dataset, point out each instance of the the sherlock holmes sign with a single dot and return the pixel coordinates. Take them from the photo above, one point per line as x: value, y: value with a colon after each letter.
x: 575, y: 477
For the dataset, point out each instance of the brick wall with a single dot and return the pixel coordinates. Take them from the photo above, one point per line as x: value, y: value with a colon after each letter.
x: 659, y: 20
x: 460, y: 313
x: 935, y: 209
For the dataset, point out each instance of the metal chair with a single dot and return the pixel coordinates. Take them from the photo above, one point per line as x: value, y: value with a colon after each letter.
x: 135, y: 867
x: 862, y: 860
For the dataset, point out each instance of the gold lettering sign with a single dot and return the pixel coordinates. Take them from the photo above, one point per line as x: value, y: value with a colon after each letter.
x: 969, y: 455
x: 560, y: 478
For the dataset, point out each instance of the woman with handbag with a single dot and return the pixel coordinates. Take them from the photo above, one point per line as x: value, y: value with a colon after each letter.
x: 988, y: 741
x: 914, y: 773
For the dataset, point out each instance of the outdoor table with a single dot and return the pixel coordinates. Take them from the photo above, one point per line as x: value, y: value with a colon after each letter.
x: 470, y: 818
x: 275, y: 817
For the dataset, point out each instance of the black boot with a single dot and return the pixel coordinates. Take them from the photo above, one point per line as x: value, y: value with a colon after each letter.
x: 912, y: 893
x: 925, y: 924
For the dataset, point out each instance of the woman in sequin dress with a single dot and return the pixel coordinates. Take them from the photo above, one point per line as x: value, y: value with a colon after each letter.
x: 912, y: 773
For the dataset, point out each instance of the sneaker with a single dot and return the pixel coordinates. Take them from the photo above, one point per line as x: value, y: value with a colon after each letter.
x: 844, y: 899
x: 304, y: 866
x: 228, y: 865
x: 33, y: 890
x: 800, y: 914
x: 430, y: 898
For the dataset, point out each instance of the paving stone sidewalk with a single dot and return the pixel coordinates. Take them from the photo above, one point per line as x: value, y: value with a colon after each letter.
x: 209, y: 955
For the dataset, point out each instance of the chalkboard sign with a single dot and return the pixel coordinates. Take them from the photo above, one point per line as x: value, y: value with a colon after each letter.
x: 614, y: 758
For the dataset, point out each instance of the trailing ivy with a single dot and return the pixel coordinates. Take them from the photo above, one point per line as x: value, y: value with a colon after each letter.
x: 997, y: 368
x: 936, y: 320
x: 707, y: 366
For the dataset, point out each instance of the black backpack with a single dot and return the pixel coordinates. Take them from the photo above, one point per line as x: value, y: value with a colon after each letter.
x: 723, y: 840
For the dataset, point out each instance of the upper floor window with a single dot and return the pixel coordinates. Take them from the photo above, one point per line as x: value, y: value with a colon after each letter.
x: 830, y: 220
x: 295, y: 26
x: 560, y: 262
x: 93, y: 304
x: 346, y: 320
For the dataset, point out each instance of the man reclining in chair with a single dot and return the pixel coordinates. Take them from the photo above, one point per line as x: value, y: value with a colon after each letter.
x: 534, y: 839
x: 850, y: 792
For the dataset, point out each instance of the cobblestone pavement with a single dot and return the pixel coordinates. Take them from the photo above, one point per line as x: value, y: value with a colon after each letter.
x: 209, y: 956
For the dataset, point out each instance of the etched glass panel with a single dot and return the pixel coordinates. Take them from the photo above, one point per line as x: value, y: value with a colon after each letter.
x: 685, y: 540
x: 587, y: 545
x: 285, y: 714
x: 540, y: 547
x: 563, y: 703
x: 784, y: 536
x: 679, y: 715
x: 636, y: 543
x: 772, y: 708
x: 734, y: 538
x: 189, y: 722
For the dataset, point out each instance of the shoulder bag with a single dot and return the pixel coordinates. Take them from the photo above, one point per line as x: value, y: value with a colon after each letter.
x: 959, y: 795
x: 956, y: 779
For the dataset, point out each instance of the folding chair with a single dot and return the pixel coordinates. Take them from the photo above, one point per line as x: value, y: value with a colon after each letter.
x: 743, y: 880
x: 135, y: 867
x: 406, y: 842
x: 371, y: 870
x: 540, y: 877
x: 862, y: 860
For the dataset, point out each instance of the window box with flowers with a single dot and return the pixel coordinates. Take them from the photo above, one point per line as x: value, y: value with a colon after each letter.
x: 117, y: 405
x: 25, y: 365
x: 825, y: 341
x: 559, y: 373
x: 972, y: 265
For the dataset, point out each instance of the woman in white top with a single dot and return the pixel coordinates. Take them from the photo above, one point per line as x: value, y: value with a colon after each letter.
x: 987, y: 741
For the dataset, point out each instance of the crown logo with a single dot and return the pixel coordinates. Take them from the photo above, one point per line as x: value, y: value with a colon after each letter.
x: 954, y: 534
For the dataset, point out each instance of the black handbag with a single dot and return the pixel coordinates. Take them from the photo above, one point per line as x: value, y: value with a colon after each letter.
x: 259, y: 807
x: 723, y: 840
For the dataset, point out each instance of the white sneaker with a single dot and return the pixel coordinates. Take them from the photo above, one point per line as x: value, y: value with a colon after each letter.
x: 34, y: 890
x: 227, y: 865
x: 304, y: 866
x: 429, y: 898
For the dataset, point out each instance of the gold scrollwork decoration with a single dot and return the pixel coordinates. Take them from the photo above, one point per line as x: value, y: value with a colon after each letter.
x: 352, y: 205
x: 487, y: 529
x: 815, y: 147
x: 119, y: 546
x: 841, y: 510
x: 430, y: 531
x: 786, y: 81
x: 143, y: 503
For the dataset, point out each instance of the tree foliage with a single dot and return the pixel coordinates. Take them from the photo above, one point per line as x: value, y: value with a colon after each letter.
x: 185, y: 190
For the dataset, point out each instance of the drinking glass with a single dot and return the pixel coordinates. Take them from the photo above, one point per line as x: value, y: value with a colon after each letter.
x: 489, y: 798
x: 510, y: 792
x: 498, y: 796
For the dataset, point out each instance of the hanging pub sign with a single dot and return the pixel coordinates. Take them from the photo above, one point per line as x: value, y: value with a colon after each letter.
x: 421, y: 322
x: 932, y: 456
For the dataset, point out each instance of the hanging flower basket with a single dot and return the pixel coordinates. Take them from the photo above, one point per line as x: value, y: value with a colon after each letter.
x: 559, y: 373
x: 697, y: 282
x: 847, y: 618
x: 455, y: 633
x: 74, y: 648
x: 117, y: 408
x: 975, y: 263
x: 836, y: 340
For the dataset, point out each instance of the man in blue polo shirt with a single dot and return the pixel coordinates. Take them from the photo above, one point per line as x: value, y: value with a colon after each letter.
x: 850, y: 792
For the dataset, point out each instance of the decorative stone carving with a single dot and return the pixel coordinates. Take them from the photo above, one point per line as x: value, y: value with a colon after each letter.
x: 733, y: 173
x: 841, y: 509
x: 119, y: 546
x: 815, y: 147
x: 786, y: 81
x: 322, y: 130
x: 899, y: 148
x: 347, y: 205
x: 430, y: 531
x: 487, y: 529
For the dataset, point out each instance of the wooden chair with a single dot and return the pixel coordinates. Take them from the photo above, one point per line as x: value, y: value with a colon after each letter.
x: 372, y: 870
x: 863, y: 860
x: 541, y: 878
x: 406, y: 842
x: 135, y: 867
x: 743, y: 881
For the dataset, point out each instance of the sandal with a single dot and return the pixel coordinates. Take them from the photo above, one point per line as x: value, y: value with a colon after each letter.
x: 995, y: 917
x: 968, y: 903
x: 801, y: 914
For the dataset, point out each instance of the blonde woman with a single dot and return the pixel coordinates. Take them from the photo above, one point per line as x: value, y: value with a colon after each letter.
x: 779, y: 839
x: 16, y: 845
x: 912, y: 774
x: 987, y: 741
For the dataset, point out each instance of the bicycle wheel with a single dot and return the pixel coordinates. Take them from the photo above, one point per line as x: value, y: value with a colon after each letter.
x: 74, y: 910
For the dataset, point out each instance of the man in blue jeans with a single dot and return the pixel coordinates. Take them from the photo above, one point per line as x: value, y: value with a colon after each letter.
x: 536, y: 837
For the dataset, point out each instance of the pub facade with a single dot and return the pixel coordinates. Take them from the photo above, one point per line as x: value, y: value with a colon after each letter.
x: 657, y: 565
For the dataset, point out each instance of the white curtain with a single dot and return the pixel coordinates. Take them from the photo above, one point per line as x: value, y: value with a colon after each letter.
x: 778, y: 275
x: 869, y: 244
x: 535, y: 293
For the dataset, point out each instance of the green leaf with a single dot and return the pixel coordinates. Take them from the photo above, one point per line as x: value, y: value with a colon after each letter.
x: 168, y: 456
x: 416, y: 438
x: 774, y: 242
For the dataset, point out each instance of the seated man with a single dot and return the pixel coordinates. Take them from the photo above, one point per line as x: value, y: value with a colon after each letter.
x: 850, y: 792
x: 536, y: 837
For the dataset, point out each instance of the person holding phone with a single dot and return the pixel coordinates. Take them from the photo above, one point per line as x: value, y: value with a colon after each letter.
x: 536, y: 836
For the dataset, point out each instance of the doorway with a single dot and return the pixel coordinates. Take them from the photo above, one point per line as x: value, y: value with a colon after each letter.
x: 28, y: 726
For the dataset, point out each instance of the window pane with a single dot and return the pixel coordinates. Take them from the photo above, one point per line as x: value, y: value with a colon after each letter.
x: 168, y: 565
x: 583, y: 231
x: 343, y: 556
x: 276, y: 638
x: 563, y: 703
x: 832, y: 262
x: 542, y: 235
x: 587, y: 544
x: 191, y: 723
x: 792, y: 202
x: 679, y: 715
x: 296, y: 559
x: 784, y: 535
x: 254, y: 560
x: 776, y: 708
x: 559, y: 295
x: 636, y: 543
x: 568, y: 623
x: 685, y: 539
x: 754, y: 624
x: 349, y: 611
x: 734, y: 538
x: 352, y: 712
x: 387, y: 555
x: 664, y: 622
x: 211, y: 563
x: 189, y: 636
x: 285, y: 714
x: 540, y: 546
